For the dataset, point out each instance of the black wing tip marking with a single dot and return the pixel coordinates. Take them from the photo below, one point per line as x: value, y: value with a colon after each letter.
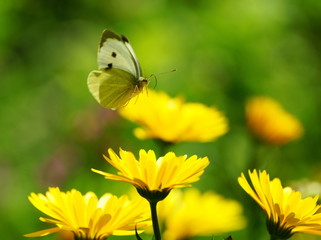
x: 108, y: 34
x: 125, y: 39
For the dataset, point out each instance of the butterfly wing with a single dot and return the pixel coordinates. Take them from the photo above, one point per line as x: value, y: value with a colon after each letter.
x: 119, y: 76
x: 116, y: 52
x: 112, y: 88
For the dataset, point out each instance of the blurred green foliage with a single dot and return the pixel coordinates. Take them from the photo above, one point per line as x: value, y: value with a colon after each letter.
x: 53, y: 131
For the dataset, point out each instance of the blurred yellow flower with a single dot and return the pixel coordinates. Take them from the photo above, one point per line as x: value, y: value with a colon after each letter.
x: 151, y: 175
x: 287, y: 212
x: 189, y: 214
x: 173, y: 120
x: 267, y: 119
x: 88, y: 217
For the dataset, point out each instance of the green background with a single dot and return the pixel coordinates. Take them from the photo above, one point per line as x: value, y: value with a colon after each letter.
x: 52, y: 131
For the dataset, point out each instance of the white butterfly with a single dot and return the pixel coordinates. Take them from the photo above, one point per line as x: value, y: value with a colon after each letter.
x: 119, y: 77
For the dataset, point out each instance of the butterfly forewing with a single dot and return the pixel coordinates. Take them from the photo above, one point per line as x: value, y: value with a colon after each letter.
x: 115, y: 52
x: 135, y: 60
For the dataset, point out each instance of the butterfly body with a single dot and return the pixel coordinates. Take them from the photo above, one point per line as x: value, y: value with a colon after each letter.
x: 119, y: 77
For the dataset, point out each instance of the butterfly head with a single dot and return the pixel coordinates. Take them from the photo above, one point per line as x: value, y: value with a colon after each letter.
x: 143, y: 82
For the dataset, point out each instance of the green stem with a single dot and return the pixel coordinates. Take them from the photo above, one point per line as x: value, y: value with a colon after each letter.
x: 163, y: 146
x: 153, y: 209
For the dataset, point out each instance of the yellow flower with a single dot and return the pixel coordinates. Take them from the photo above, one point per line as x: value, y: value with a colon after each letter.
x: 86, y: 216
x: 287, y: 212
x: 173, y: 120
x: 271, y: 122
x: 156, y: 176
x: 189, y: 214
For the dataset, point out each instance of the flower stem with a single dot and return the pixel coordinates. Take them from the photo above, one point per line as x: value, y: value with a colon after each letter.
x: 153, y: 209
x: 163, y: 146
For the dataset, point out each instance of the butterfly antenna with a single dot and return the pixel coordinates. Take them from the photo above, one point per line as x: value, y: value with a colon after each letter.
x: 154, y: 75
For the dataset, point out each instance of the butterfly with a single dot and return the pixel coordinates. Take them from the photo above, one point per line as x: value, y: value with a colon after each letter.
x: 119, y: 77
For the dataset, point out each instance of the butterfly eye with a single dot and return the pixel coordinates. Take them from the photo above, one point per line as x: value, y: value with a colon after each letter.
x: 113, y: 54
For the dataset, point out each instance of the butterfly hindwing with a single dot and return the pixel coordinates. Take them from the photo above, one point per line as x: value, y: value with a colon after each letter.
x: 116, y: 52
x: 112, y: 88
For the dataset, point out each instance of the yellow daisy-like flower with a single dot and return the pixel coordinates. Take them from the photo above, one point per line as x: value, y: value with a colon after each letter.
x: 267, y: 119
x: 155, y: 177
x: 88, y: 217
x: 287, y: 212
x: 172, y: 120
x: 189, y: 214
